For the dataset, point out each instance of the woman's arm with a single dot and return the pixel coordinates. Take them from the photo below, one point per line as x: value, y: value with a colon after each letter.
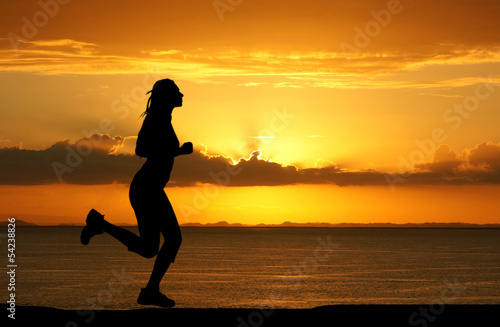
x: 155, y: 139
x: 186, y: 148
x: 142, y: 146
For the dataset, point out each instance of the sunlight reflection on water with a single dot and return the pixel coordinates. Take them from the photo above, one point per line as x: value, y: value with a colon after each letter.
x: 239, y: 267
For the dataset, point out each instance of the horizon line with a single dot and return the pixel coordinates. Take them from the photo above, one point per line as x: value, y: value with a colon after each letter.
x: 23, y: 223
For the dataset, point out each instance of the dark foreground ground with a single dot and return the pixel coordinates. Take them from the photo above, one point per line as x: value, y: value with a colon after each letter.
x: 335, y: 315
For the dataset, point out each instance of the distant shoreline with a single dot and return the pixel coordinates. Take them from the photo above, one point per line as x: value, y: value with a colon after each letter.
x: 224, y: 224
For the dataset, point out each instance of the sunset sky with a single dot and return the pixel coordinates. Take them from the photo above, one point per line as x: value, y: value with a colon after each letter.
x: 305, y: 111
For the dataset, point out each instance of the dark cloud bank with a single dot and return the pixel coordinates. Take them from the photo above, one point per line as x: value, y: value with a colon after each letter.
x: 93, y: 161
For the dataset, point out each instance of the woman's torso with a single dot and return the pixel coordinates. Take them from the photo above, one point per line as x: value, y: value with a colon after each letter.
x: 157, y: 142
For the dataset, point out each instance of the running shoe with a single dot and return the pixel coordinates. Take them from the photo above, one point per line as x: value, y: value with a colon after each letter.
x: 154, y: 298
x: 93, y: 226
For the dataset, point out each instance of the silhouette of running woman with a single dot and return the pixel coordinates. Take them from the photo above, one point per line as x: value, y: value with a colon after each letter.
x: 158, y: 143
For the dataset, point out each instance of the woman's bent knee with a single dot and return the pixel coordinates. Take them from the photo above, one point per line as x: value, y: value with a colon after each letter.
x: 145, y: 251
x: 150, y: 253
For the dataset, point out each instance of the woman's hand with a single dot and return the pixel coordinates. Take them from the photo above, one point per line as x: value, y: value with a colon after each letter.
x: 186, y: 148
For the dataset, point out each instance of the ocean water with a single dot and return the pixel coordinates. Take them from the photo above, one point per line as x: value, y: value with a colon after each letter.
x: 263, y: 267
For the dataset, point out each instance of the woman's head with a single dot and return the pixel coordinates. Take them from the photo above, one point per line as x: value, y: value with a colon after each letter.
x: 165, y: 95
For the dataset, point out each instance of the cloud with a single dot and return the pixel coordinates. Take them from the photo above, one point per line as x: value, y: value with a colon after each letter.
x: 305, y: 39
x: 223, y: 170
x: 3, y: 138
x: 97, y: 160
x: 479, y: 165
x: 485, y: 155
x: 86, y: 161
x: 319, y: 69
x: 445, y: 161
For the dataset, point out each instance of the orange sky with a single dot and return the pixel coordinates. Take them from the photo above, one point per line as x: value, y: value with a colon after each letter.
x: 397, y: 101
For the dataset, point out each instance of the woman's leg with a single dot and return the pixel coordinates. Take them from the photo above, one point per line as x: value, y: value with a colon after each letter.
x: 145, y: 201
x: 171, y: 231
x: 144, y: 246
x: 144, y: 205
x: 160, y: 268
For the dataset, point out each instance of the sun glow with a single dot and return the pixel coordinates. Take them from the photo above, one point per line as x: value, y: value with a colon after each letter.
x: 282, y: 97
